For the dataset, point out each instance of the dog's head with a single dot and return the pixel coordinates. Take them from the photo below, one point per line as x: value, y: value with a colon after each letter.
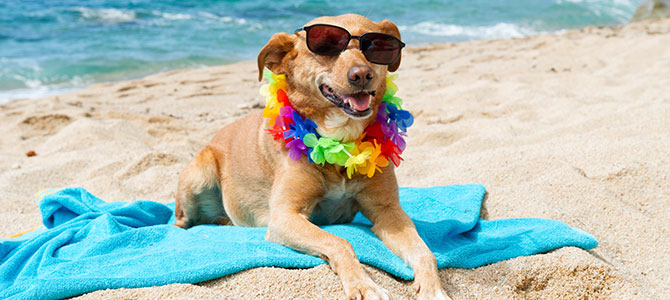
x: 340, y: 93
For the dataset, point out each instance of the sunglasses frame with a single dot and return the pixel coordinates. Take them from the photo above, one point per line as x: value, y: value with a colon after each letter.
x: 355, y: 37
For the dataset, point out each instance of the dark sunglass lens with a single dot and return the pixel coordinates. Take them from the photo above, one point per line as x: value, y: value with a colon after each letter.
x: 380, y: 48
x: 327, y: 40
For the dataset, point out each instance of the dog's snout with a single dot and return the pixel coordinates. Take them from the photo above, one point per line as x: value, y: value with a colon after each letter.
x: 360, y: 76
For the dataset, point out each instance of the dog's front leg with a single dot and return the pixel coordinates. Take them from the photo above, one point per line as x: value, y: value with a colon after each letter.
x: 380, y: 204
x: 290, y: 206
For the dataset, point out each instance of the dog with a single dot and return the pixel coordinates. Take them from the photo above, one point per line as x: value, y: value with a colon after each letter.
x: 244, y: 177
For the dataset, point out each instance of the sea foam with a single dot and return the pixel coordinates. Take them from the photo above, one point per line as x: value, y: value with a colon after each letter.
x: 500, y: 30
x: 106, y: 15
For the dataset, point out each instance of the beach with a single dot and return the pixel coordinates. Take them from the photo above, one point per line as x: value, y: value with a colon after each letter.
x: 573, y: 126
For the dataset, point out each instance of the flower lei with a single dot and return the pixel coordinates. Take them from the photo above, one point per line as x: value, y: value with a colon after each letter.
x: 382, y: 141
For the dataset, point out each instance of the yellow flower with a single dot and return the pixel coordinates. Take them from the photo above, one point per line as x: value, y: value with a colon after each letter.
x: 271, y: 110
x: 279, y: 81
x: 269, y: 91
x: 374, y: 161
x: 356, y: 160
x: 391, y: 87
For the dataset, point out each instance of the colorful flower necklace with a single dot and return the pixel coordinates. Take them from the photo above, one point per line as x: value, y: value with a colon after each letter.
x: 382, y: 141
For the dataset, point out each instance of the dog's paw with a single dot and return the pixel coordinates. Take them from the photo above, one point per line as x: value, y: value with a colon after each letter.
x: 366, y: 290
x: 435, y: 295
x: 431, y: 292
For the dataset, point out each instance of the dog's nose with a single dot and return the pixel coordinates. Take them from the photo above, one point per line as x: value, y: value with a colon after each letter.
x: 360, y: 76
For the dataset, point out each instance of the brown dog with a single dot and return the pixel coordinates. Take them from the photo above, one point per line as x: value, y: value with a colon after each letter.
x: 245, y: 177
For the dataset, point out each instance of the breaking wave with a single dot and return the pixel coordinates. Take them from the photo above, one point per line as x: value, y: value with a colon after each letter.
x: 106, y: 15
x: 457, y: 32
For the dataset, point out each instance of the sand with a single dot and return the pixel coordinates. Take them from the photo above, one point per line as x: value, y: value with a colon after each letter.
x: 573, y: 127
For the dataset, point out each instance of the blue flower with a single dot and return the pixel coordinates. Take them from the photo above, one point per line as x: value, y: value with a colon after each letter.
x: 300, y: 128
x: 403, y: 118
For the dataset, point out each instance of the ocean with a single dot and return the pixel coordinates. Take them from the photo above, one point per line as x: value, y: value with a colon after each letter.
x: 51, y: 46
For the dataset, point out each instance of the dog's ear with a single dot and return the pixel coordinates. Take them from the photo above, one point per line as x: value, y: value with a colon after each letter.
x: 389, y: 28
x: 274, y: 51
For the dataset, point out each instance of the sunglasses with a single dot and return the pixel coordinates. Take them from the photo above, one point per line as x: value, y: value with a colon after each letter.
x: 329, y: 40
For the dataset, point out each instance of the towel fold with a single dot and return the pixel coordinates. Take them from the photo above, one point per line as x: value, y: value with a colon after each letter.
x: 89, y: 244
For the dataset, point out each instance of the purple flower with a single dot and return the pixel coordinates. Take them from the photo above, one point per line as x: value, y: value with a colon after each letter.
x: 398, y: 139
x: 296, y: 149
x: 284, y: 117
x: 286, y: 111
x: 382, y: 114
x: 389, y: 128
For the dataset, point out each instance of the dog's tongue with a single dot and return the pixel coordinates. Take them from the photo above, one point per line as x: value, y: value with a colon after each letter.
x: 360, y: 101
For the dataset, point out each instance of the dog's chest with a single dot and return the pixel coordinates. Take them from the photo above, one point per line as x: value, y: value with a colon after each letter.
x: 339, y: 126
x: 338, y: 205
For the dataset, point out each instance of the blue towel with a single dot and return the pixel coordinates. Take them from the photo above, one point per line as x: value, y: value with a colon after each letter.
x: 89, y: 244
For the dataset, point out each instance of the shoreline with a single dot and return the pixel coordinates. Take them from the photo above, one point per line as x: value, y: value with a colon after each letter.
x: 571, y: 127
x: 49, y: 91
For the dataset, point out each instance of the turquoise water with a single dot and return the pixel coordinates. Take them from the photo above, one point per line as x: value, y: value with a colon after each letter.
x: 49, y: 46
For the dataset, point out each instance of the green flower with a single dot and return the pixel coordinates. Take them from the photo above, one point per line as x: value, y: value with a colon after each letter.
x: 328, y: 150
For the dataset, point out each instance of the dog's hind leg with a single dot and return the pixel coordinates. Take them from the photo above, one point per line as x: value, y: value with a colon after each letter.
x: 199, y: 195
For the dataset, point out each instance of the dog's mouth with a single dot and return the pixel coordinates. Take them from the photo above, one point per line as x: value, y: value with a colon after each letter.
x: 356, y: 105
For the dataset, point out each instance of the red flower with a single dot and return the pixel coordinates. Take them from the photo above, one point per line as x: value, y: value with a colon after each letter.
x: 282, y: 98
x: 277, y: 132
x: 375, y: 131
x: 392, y: 152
